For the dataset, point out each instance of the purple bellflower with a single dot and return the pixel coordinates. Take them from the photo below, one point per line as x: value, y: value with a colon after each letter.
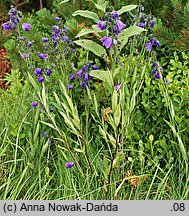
x: 26, y: 26
x: 107, y: 42
x: 34, y: 103
x: 102, y: 25
x: 69, y: 164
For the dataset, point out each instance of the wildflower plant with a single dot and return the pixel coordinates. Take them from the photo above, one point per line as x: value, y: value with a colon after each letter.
x: 121, y: 79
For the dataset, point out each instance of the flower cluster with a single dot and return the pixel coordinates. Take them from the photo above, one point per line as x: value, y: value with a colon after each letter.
x: 152, y: 43
x: 15, y: 16
x: 82, y: 75
x: 143, y: 20
x: 157, y: 70
x: 112, y: 21
x: 40, y: 72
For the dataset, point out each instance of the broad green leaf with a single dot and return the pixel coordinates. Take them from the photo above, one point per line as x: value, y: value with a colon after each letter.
x: 132, y: 30
x: 92, y: 46
x: 94, y: 29
x: 126, y: 8
x: 85, y: 32
x: 101, y: 7
x: 62, y: 2
x: 128, y: 32
x: 103, y: 75
x: 87, y: 14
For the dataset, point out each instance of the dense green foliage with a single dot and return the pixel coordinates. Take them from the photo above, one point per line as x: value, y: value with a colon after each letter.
x: 128, y: 141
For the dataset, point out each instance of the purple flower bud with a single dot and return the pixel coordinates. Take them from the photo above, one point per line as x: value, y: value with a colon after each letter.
x: 40, y: 79
x: 72, y: 77
x: 86, y: 77
x: 102, y: 25
x: 70, y: 86
x: 95, y: 67
x: 21, y: 38
x: 44, y: 39
x: 107, y: 42
x: 79, y: 73
x: 83, y: 85
x: 66, y: 39
x: 57, y: 18
x: 154, y: 71
x: 148, y: 46
x: 73, y: 50
x: 153, y: 41
x: 26, y: 55
x: 42, y: 56
x: 114, y: 15
x: 29, y: 44
x: 38, y: 71
x: 152, y: 23
x: 51, y: 109
x: 67, y: 28
x: 49, y: 72
x: 55, y: 44
x: 142, y: 25
x: 69, y: 164
x: 117, y: 86
x: 134, y: 19
x: 34, y: 103
x: 49, y: 141
x: 158, y: 76
x: 155, y: 64
x: 157, y: 44
x: 56, y: 29
x: 53, y: 65
x: 26, y: 26
x: 44, y: 134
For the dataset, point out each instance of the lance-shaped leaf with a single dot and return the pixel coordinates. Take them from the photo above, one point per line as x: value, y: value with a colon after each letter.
x: 101, y: 7
x: 94, y: 29
x: 87, y: 14
x: 103, y: 75
x: 62, y: 2
x: 92, y: 46
x: 128, y: 32
x: 126, y: 8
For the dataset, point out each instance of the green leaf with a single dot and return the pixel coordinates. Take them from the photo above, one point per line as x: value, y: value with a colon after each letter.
x: 94, y: 29
x: 101, y: 7
x: 85, y: 32
x: 126, y: 8
x: 128, y: 32
x: 114, y: 100
x: 33, y: 82
x: 62, y: 2
x: 87, y: 14
x: 132, y: 30
x: 117, y: 115
x: 103, y: 75
x: 92, y: 46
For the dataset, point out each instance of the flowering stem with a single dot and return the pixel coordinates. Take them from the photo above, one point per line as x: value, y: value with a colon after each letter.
x: 112, y: 161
